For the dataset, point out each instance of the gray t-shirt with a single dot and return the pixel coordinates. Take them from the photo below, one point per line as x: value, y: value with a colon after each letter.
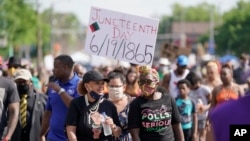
x: 8, y: 95
x: 200, y: 96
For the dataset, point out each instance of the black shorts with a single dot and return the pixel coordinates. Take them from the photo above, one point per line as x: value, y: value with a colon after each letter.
x: 188, y: 134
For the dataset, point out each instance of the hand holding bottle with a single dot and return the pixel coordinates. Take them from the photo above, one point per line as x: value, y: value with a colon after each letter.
x: 200, y: 106
x: 106, y: 123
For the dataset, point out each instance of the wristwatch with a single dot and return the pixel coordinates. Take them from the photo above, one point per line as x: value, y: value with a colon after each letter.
x: 62, y: 90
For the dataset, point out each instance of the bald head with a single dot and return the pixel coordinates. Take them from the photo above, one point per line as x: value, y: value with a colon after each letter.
x: 79, y: 70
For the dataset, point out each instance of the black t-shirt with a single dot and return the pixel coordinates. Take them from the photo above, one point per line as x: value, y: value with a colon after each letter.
x: 78, y: 115
x: 154, y: 118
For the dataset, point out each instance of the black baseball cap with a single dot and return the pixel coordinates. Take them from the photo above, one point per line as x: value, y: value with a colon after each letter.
x: 93, y: 76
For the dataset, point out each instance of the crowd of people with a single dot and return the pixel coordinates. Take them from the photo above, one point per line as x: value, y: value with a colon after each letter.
x: 139, y: 103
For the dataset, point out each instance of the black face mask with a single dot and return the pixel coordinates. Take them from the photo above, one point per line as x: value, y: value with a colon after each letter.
x: 23, y: 89
x: 95, y: 95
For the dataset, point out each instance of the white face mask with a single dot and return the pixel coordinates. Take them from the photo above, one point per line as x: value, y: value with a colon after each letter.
x: 115, y: 93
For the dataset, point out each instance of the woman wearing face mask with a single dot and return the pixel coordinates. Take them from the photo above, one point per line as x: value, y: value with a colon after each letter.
x: 153, y: 115
x: 116, y: 87
x: 85, y: 118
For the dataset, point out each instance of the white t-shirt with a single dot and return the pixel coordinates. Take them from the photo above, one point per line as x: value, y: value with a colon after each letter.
x: 173, y: 90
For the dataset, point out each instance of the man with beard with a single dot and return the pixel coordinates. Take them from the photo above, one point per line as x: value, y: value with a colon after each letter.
x: 170, y: 80
x: 32, y: 106
x: 153, y: 115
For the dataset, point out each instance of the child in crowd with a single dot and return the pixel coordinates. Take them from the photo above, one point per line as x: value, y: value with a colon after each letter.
x: 202, y: 98
x: 187, y: 110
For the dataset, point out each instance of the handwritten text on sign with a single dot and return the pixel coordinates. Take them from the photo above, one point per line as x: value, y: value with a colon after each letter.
x: 121, y: 36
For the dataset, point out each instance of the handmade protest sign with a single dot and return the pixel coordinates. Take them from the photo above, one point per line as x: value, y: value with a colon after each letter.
x: 121, y: 36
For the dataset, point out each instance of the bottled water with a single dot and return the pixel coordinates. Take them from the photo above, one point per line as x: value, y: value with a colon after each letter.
x: 106, y: 128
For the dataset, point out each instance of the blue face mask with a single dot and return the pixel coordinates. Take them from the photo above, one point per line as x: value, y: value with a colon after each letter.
x: 95, y: 95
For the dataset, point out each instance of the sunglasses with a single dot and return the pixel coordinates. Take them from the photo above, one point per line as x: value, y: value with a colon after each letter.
x: 145, y: 81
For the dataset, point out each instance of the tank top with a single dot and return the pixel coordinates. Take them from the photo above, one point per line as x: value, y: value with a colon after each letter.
x: 225, y: 95
x: 173, y: 90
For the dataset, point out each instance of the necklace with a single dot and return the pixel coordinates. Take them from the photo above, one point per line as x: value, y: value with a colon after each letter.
x: 93, y: 109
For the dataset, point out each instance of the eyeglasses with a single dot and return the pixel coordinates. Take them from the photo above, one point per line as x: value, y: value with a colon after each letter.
x: 145, y: 81
x: 115, y: 86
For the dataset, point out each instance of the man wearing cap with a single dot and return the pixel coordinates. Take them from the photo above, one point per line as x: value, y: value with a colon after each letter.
x: 170, y: 80
x: 32, y: 106
x: 9, y: 105
x: 14, y: 63
x: 60, y: 93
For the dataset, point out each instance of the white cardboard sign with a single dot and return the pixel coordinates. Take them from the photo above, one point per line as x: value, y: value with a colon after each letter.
x: 121, y: 36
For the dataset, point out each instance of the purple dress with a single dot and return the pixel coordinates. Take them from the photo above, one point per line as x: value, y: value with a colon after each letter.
x: 231, y: 112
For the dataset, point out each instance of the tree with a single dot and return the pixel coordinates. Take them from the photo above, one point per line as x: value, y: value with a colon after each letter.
x: 64, y: 28
x: 165, y: 24
x: 20, y: 19
x: 20, y: 23
x: 233, y: 35
x: 198, y: 13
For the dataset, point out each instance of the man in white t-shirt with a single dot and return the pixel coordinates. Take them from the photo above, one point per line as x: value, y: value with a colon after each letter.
x: 170, y: 80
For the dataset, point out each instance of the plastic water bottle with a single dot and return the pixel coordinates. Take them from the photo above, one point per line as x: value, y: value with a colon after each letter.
x: 199, y: 105
x: 106, y: 128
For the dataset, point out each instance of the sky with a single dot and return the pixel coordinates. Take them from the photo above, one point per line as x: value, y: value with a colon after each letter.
x: 145, y: 8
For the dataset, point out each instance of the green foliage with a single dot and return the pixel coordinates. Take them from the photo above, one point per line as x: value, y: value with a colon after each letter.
x: 234, y: 34
x: 203, y: 39
x: 61, y: 22
x: 20, y: 21
x: 198, y: 13
x: 165, y: 24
